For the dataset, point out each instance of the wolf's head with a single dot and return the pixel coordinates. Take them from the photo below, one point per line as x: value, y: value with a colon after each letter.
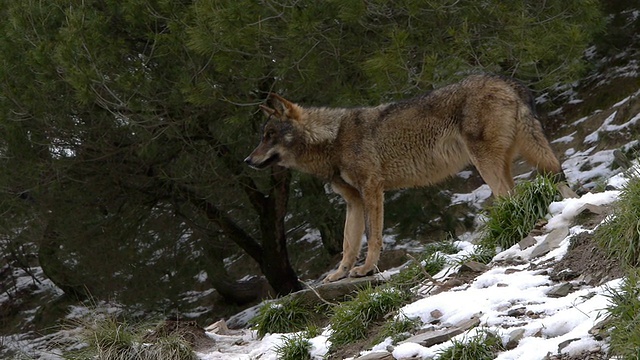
x: 279, y: 134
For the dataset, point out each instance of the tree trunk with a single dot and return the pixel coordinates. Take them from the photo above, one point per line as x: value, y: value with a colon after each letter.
x: 272, y: 254
x: 55, y: 269
x: 236, y: 292
x: 272, y: 209
x: 275, y: 263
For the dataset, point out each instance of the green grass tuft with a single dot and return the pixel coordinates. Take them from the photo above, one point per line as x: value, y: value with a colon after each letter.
x: 484, y: 346
x: 294, y: 347
x: 624, y: 316
x: 619, y: 235
x: 430, y: 262
x: 398, y: 329
x: 416, y: 271
x: 445, y: 247
x: 284, y: 316
x: 108, y: 338
x: 351, y: 319
x: 482, y: 254
x: 512, y: 217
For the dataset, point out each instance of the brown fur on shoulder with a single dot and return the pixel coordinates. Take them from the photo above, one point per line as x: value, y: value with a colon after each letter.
x: 483, y: 120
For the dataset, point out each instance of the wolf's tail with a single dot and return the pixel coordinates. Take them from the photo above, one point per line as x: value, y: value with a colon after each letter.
x: 533, y: 145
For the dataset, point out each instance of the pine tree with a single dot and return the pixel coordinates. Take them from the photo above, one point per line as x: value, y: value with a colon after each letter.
x: 123, y: 123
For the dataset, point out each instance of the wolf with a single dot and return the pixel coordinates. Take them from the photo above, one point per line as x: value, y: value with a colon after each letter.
x: 483, y: 120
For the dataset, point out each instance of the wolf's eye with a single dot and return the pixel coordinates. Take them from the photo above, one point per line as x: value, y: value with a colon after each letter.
x: 269, y: 134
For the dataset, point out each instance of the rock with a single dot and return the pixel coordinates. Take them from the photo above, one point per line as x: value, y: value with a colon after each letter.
x: 533, y: 315
x: 517, y: 312
x: 527, y: 242
x: 448, y: 285
x: 436, y: 314
x: 514, y: 338
x: 451, y: 283
x: 564, y: 275
x: 378, y: 355
x: 566, y: 343
x: 600, y: 330
x: 556, y: 236
x: 552, y: 241
x: 590, y: 208
x: 585, y: 279
x: 473, y: 266
x: 536, y: 232
x: 328, y: 292
x: 561, y: 290
x: 220, y: 327
x: 565, y: 191
x: 621, y: 159
x: 512, y: 259
x: 537, y: 228
x: 431, y: 338
x: 241, y: 319
x: 511, y: 271
x: 336, y: 290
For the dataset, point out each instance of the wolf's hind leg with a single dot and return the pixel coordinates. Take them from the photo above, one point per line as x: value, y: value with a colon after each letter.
x: 353, y: 230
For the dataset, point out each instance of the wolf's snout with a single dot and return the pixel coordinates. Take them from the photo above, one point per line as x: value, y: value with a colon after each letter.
x: 249, y: 160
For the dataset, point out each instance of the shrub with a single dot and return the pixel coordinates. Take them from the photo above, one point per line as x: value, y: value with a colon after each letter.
x: 484, y: 346
x: 445, y: 247
x: 624, y: 315
x: 109, y: 338
x: 482, y: 254
x: 430, y: 262
x: 417, y: 271
x: 352, y: 318
x: 619, y: 235
x: 399, y: 328
x: 294, y: 347
x: 284, y: 316
x: 512, y: 217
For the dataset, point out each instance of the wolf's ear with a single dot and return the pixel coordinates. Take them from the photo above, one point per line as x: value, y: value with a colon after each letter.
x: 268, y: 111
x: 284, y: 107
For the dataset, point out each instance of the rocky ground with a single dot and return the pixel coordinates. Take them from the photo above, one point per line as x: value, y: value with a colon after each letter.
x: 545, y: 297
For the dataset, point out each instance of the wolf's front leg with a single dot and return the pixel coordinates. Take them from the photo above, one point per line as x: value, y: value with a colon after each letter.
x: 353, y: 231
x: 374, y: 218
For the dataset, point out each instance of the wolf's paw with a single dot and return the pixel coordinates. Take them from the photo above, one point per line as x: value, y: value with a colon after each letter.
x: 360, y: 271
x: 341, y: 273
